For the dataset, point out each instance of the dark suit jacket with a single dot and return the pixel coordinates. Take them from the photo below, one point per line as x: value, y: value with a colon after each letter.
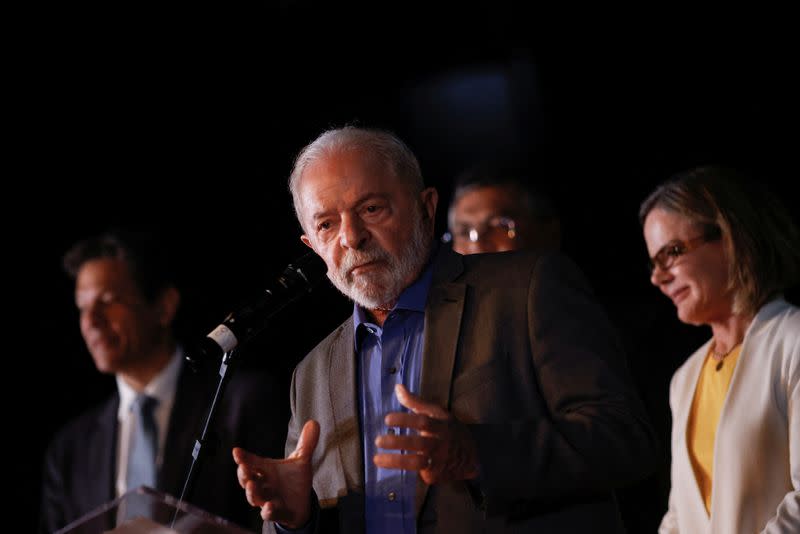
x: 80, y: 464
x: 517, y: 347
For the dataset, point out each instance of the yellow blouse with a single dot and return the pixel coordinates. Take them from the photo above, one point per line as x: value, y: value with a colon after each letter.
x: 709, y: 396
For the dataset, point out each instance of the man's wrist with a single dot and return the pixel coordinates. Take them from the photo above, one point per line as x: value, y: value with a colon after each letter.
x: 308, y: 527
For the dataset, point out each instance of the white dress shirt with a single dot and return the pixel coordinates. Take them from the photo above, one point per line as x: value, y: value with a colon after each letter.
x: 162, y: 387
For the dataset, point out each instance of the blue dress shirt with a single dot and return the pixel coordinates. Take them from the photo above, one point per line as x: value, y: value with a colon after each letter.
x: 389, y: 355
x: 386, y: 356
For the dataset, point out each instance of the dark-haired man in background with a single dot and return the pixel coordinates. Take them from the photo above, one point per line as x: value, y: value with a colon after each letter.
x: 497, y: 207
x: 128, y: 300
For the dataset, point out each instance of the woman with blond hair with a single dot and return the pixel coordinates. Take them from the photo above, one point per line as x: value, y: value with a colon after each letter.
x: 724, y: 250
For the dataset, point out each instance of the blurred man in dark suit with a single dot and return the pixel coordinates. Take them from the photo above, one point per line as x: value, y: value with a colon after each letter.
x: 128, y: 300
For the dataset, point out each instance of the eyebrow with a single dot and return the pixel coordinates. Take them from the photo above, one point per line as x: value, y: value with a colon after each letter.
x: 366, y: 197
x: 665, y: 246
x: 472, y: 214
x: 687, y: 244
x: 670, y: 243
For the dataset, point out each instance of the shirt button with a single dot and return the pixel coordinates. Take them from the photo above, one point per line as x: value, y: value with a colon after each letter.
x: 392, y: 496
x: 392, y: 370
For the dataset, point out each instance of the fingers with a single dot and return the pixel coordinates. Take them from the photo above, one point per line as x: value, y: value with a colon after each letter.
x: 268, y: 512
x: 276, y: 511
x: 414, y: 443
x: 408, y: 462
x: 307, y: 442
x: 246, y: 473
x: 429, y: 470
x: 250, y: 466
x: 241, y: 456
x: 274, y: 485
x: 421, y: 423
x: 255, y: 493
x: 417, y: 405
x: 421, y: 451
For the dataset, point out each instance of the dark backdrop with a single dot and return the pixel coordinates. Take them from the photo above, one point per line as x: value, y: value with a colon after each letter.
x: 188, y: 121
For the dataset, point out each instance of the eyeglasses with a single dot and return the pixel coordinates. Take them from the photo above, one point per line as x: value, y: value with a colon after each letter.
x: 669, y: 253
x: 499, y: 225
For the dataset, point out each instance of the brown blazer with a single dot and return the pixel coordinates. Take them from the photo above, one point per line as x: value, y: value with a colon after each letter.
x: 517, y: 347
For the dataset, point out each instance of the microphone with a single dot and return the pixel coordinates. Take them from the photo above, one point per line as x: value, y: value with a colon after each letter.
x: 244, y: 323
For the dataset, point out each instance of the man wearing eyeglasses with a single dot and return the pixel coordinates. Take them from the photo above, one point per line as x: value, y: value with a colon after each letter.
x: 496, y: 209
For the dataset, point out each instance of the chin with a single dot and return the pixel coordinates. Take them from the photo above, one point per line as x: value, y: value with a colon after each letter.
x: 372, y: 296
x: 370, y: 300
x: 371, y: 290
x: 106, y: 364
x: 689, y: 317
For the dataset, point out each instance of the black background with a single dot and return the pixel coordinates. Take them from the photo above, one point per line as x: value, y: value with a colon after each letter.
x: 187, y: 120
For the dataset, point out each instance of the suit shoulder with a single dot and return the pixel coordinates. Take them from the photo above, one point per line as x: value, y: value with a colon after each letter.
x: 75, y: 430
x: 515, y: 259
x: 520, y: 264
x: 787, y: 318
x: 494, y: 260
x: 503, y: 264
x: 778, y: 322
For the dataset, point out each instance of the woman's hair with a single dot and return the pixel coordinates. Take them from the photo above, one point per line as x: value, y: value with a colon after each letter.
x: 760, y: 237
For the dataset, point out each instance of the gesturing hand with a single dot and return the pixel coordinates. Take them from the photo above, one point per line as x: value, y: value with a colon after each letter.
x: 442, y: 450
x: 281, y: 488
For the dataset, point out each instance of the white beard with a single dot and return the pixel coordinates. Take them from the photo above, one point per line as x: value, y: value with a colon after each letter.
x: 381, y: 287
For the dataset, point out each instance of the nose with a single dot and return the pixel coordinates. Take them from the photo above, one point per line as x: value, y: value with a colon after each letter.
x: 353, y: 233
x: 659, y: 276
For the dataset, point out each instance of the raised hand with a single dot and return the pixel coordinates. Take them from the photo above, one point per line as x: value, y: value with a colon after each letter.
x: 281, y: 488
x: 442, y: 450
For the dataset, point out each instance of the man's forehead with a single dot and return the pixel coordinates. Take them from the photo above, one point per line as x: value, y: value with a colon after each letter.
x: 108, y: 271
x: 317, y: 187
x: 483, y: 200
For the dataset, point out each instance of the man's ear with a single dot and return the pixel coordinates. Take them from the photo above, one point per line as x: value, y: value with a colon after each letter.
x: 307, y: 242
x: 429, y: 198
x: 168, y: 303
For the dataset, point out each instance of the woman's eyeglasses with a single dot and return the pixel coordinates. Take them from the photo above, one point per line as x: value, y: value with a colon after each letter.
x: 666, y: 256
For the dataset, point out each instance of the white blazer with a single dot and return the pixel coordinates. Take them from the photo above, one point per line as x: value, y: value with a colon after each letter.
x: 756, y: 474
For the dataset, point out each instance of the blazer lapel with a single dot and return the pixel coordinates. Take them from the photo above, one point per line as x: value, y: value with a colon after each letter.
x: 442, y: 327
x: 344, y: 405
x: 185, y: 425
x: 697, y: 508
x: 103, y: 451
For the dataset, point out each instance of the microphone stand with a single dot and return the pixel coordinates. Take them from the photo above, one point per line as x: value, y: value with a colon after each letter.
x: 228, y: 363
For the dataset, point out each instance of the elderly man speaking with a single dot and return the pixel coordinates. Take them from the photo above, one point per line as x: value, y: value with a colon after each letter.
x: 465, y: 393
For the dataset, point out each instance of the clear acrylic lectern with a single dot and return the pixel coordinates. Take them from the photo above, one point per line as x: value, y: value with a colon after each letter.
x: 146, y: 510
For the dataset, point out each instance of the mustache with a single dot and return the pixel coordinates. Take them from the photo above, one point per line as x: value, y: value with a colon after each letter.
x: 354, y: 258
